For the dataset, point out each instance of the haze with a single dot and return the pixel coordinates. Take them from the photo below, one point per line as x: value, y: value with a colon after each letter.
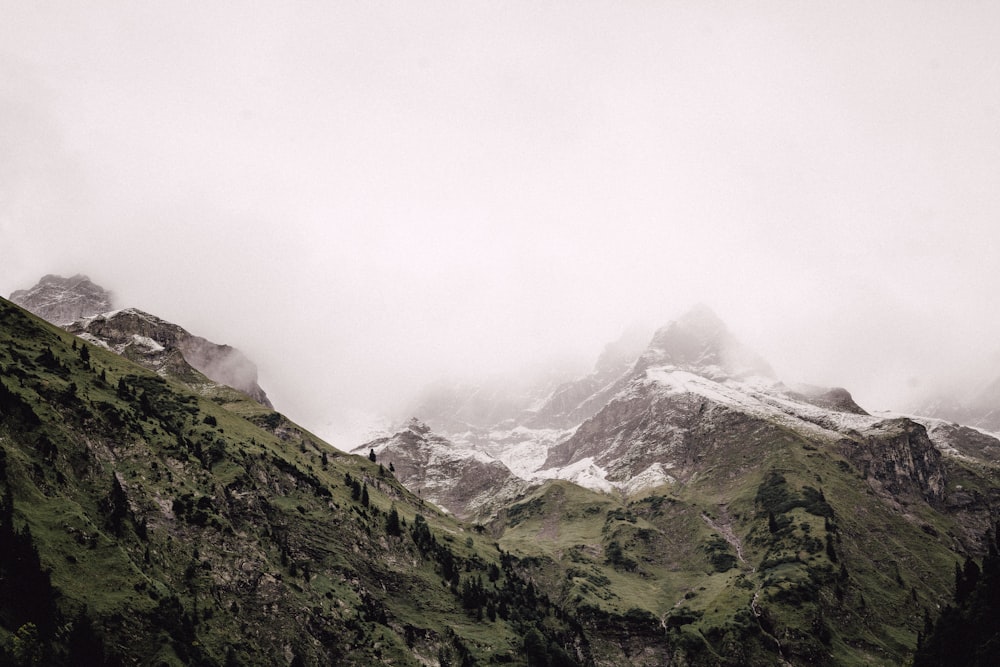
x: 365, y: 197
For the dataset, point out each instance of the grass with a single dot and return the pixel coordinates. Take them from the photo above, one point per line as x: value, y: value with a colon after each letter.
x: 233, y: 515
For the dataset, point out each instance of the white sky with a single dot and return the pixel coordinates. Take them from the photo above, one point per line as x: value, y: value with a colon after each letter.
x: 363, y: 196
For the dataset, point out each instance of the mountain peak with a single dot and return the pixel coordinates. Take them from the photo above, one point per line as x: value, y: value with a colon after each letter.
x: 418, y: 426
x: 64, y: 300
x: 700, y: 342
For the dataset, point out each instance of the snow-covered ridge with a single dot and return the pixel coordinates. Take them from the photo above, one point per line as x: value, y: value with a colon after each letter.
x: 761, y: 397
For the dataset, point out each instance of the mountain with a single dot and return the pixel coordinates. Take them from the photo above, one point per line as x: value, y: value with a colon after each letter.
x: 609, y: 431
x: 700, y: 342
x: 64, y: 300
x: 979, y: 408
x: 144, y: 523
x: 460, y: 480
x: 733, y: 519
x: 147, y: 523
x: 572, y: 402
x: 85, y: 309
x: 162, y: 346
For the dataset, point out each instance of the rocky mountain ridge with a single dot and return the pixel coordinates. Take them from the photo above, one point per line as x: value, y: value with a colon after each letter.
x: 85, y: 309
x: 713, y: 519
x: 62, y: 301
x: 692, y: 382
x: 461, y: 480
x: 144, y: 523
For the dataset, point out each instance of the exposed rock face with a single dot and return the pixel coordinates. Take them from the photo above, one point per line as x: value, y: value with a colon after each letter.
x: 64, y: 300
x: 85, y: 309
x: 162, y: 346
x: 434, y: 468
x: 574, y: 402
x: 669, y: 424
x: 962, y: 440
x: 837, y: 398
x: 898, y: 457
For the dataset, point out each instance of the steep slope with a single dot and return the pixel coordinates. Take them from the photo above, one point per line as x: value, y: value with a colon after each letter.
x: 573, y: 402
x: 85, y: 309
x: 144, y: 524
x: 463, y: 481
x: 718, y: 516
x: 772, y: 542
x: 167, y: 348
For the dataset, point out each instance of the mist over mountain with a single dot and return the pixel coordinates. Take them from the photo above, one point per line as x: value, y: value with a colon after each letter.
x: 464, y: 240
x: 84, y: 309
x: 64, y: 300
x: 691, y: 506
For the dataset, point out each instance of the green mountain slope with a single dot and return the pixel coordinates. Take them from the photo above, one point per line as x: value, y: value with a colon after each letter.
x: 143, y: 521
x: 780, y: 548
x: 146, y: 524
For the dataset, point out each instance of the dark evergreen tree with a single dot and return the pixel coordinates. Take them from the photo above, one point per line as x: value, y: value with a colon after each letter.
x: 85, y: 646
x: 392, y: 522
x: 116, y: 506
x: 968, y: 633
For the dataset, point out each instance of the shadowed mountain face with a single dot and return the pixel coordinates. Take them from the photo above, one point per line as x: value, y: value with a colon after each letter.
x: 83, y: 308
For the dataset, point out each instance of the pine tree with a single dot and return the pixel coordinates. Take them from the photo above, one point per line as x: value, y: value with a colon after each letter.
x: 392, y: 522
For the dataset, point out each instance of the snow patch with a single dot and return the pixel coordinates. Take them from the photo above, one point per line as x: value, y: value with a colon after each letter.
x: 654, y: 475
x: 147, y: 342
x: 762, y: 398
x: 584, y: 472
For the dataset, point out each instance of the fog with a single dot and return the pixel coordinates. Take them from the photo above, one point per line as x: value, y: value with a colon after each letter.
x: 366, y: 197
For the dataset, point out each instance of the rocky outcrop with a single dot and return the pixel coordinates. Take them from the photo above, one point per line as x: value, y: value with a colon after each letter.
x: 574, y: 402
x: 163, y: 346
x: 64, y: 300
x: 897, y: 457
x: 836, y: 398
x: 462, y: 481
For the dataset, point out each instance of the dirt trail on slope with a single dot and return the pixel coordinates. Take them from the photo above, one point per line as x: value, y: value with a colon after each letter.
x: 724, y: 527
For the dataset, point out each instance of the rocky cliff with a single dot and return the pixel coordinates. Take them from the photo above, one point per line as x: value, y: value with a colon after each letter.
x: 85, y: 309
x: 163, y: 346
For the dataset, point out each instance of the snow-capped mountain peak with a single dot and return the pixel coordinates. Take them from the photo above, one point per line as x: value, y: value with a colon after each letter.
x: 700, y: 342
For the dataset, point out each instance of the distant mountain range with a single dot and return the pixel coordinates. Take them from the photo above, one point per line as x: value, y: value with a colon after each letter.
x: 679, y: 505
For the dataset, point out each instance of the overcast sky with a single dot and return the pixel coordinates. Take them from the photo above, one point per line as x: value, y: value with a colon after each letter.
x: 364, y: 196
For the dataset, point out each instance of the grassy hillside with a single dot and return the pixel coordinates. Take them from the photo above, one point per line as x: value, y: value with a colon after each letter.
x: 151, y: 525
x: 780, y: 548
x: 155, y: 521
